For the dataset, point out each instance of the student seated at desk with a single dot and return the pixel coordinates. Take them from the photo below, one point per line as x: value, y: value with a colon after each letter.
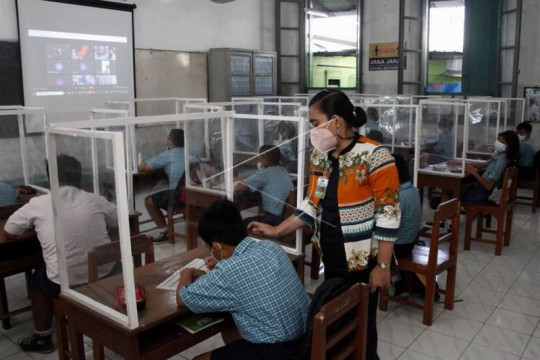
x: 489, y: 175
x: 8, y: 195
x: 85, y: 218
x: 527, y: 151
x: 442, y: 149
x: 254, y: 281
x: 273, y: 182
x: 172, y: 161
x: 372, y: 120
x: 411, y: 218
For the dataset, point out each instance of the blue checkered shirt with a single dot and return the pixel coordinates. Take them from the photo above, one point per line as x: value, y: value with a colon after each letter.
x: 259, y: 286
x: 411, y: 213
x: 8, y: 195
x: 274, y: 183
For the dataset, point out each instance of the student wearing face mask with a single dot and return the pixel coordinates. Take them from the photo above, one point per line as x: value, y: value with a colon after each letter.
x: 527, y: 150
x: 254, y: 281
x: 489, y: 175
x: 352, y: 201
x: 272, y: 181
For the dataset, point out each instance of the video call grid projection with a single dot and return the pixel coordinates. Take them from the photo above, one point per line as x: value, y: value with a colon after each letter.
x: 74, y: 54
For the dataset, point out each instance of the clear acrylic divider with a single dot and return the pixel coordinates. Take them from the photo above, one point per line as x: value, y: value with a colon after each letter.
x: 286, y: 137
x: 441, y: 141
x: 93, y: 242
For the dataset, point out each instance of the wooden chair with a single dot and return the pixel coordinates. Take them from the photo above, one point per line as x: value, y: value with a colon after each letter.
x: 503, y: 212
x: 531, y: 184
x: 173, y: 210
x: 349, y: 312
x: 431, y: 261
x: 109, y: 253
x: 101, y: 255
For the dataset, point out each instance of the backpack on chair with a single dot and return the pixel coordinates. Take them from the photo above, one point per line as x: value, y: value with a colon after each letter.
x: 327, y: 291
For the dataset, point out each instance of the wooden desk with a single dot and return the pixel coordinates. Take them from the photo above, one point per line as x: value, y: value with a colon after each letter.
x: 16, y: 256
x: 156, y: 337
x: 451, y: 183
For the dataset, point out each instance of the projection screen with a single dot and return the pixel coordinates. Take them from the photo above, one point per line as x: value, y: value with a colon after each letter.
x: 75, y: 55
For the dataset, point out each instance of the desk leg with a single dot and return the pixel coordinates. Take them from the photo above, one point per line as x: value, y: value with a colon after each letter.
x: 4, y: 309
x: 61, y: 330
x: 76, y: 341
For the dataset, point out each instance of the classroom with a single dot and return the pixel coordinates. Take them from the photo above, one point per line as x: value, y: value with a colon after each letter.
x: 269, y: 179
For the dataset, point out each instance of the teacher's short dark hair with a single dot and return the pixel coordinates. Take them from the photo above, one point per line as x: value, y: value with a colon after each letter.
x: 222, y: 223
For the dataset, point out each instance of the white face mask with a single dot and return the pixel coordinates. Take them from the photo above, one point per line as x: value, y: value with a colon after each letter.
x: 499, y: 147
x: 522, y: 137
x: 322, y: 139
x: 260, y: 165
x: 213, y: 256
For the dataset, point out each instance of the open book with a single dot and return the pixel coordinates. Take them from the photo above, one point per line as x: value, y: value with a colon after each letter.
x: 171, y: 283
x: 195, y: 323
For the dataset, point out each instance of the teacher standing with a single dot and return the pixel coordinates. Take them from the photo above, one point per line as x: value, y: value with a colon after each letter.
x: 352, y: 201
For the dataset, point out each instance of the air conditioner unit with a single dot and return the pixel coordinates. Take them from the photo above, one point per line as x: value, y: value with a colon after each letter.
x: 221, y: 1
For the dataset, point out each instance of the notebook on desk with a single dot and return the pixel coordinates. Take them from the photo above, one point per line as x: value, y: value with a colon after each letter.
x: 171, y: 283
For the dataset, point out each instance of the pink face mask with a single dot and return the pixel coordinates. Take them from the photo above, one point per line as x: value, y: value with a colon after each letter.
x: 322, y: 139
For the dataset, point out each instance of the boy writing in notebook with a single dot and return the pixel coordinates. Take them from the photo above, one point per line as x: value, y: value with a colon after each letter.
x: 254, y: 281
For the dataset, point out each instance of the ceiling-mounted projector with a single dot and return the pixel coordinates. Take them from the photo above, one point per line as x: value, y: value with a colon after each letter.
x: 221, y: 1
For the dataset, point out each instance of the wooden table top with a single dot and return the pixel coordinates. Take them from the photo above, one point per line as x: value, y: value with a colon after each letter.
x: 3, y: 240
x: 160, y: 304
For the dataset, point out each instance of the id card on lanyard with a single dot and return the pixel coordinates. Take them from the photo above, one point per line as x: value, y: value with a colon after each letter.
x: 322, y: 185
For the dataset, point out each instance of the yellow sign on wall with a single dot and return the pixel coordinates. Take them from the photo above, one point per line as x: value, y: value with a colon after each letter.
x: 384, y: 56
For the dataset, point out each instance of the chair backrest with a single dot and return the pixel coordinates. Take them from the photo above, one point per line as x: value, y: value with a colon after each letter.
x: 537, y: 166
x: 109, y: 253
x: 509, y: 187
x: 448, y: 210
x: 348, y: 313
x: 290, y: 205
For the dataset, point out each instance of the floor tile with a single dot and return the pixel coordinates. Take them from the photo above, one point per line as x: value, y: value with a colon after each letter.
x: 514, y: 321
x: 388, y: 351
x: 452, y: 325
x: 439, y: 346
x: 415, y: 355
x: 479, y: 352
x: 492, y: 282
x: 482, y: 295
x: 532, y: 351
x: 472, y: 310
x: 501, y: 339
x: 526, y: 290
x: 521, y: 304
x: 397, y: 332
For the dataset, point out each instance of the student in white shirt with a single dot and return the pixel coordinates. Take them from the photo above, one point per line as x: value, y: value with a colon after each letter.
x: 84, y: 218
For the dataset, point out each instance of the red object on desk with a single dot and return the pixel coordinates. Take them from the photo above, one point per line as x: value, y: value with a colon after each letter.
x: 140, y: 296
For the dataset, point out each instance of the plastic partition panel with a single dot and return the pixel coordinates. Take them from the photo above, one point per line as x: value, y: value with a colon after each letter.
x: 513, y: 113
x: 441, y: 138
x: 288, y: 136
x: 210, y: 177
x: 484, y: 121
x: 85, y: 223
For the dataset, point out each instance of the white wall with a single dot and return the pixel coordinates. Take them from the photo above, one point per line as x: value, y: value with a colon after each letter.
x: 198, y: 25
x: 381, y: 24
x: 529, y: 56
x: 8, y: 21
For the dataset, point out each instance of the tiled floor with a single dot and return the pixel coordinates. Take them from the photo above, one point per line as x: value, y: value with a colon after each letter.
x: 498, y: 317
